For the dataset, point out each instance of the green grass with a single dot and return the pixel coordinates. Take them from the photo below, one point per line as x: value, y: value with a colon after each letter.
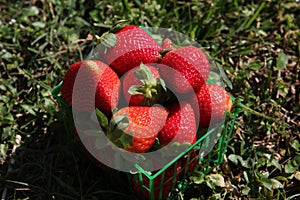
x: 256, y: 42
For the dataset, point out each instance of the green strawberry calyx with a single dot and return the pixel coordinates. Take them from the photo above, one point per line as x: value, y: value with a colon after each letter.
x: 116, y: 131
x: 108, y: 40
x: 151, y: 89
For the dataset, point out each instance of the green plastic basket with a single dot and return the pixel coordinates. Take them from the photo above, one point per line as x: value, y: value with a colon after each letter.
x: 172, y: 178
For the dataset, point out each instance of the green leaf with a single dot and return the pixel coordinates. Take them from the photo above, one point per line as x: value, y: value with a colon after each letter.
x: 295, y: 144
x: 29, y: 108
x: 81, y: 21
x: 276, y: 184
x: 242, y: 147
x: 152, y: 89
x: 198, y: 178
x: 108, y: 40
x: 125, y: 140
x: 117, y: 119
x: 135, y: 89
x: 291, y: 167
x: 216, y: 180
x: 235, y: 158
x: 261, y: 162
x: 6, y: 132
x: 39, y: 24
x: 246, y: 190
x: 6, y: 117
x: 224, y: 76
x: 281, y: 178
x: 275, y: 163
x: 265, y: 174
x: 297, y: 158
x: 246, y: 176
x: 282, y: 61
x: 267, y: 183
x: 162, y: 83
x: 10, y: 88
x: 144, y: 74
x: 95, y: 15
x: 30, y: 11
x: 116, y: 132
x: 121, y: 122
x: 255, y: 65
x: 102, y: 119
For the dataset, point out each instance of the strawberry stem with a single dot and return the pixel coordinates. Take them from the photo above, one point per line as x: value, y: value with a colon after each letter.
x: 148, y: 93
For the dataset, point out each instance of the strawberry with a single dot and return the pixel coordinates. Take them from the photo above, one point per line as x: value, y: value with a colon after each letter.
x: 128, y: 48
x: 180, y: 126
x: 189, y: 162
x: 142, y: 86
x: 163, y: 181
x: 186, y: 69
x: 135, y: 128
x: 97, y: 85
x: 212, y: 100
x: 167, y: 45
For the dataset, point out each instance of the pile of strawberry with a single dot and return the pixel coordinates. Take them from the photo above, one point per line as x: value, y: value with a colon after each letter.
x: 149, y: 93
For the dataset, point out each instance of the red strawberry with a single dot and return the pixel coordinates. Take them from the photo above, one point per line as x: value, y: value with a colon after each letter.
x: 128, y: 48
x: 135, y: 128
x: 189, y: 162
x: 167, y: 45
x: 97, y: 85
x: 212, y: 100
x: 186, y: 69
x: 142, y: 86
x: 180, y: 125
x: 163, y: 181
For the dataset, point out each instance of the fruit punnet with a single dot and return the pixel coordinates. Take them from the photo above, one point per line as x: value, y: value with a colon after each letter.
x: 132, y: 52
x: 166, y: 181
x: 96, y: 83
x: 130, y: 47
x: 180, y: 126
x: 143, y: 86
x: 135, y: 128
x: 186, y: 69
x: 212, y: 100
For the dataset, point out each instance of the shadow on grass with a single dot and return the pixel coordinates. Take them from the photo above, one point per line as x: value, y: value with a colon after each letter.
x: 55, y: 166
